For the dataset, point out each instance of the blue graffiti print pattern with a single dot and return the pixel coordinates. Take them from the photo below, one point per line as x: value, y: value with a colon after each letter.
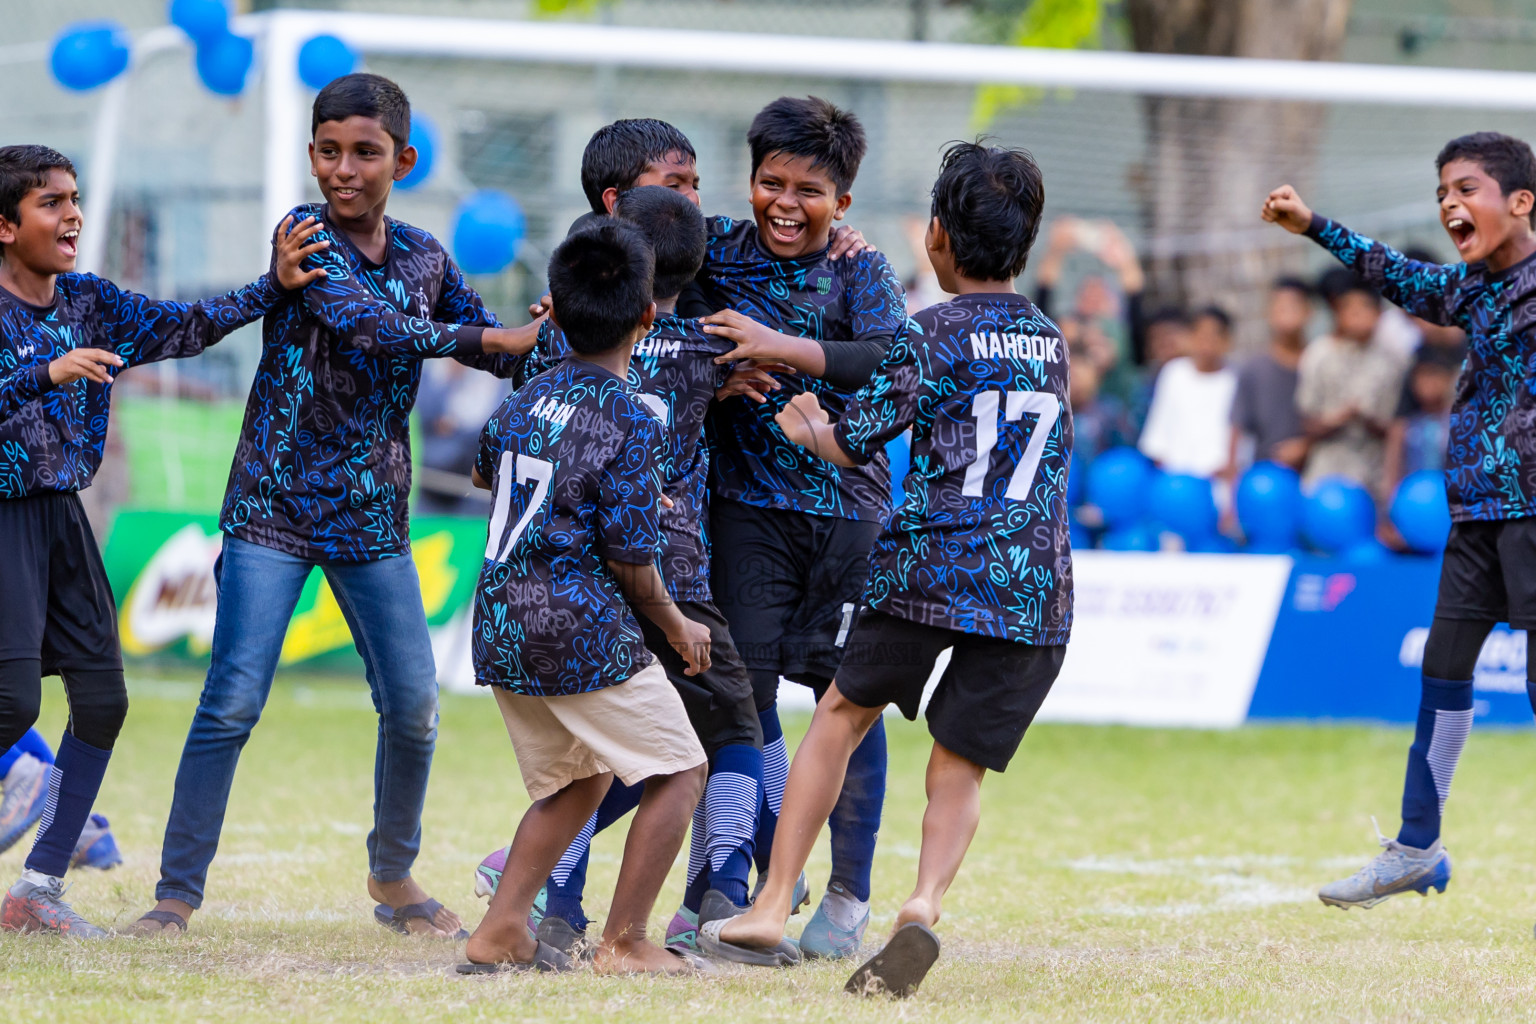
x: 981, y: 544
x: 1490, y: 466
x: 322, y: 470
x: 855, y: 298
x: 51, y: 438
x: 673, y: 373
x: 571, y: 459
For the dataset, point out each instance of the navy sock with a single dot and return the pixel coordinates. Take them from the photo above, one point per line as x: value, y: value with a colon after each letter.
x: 855, y: 821
x: 1445, y: 719
x: 775, y: 774
x: 1530, y: 693
x: 568, y: 882
x: 698, y: 861
x: 30, y: 743
x: 72, y: 789
x: 731, y: 801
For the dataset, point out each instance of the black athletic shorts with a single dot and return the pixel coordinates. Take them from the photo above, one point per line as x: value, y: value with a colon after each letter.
x: 985, y: 700
x: 790, y: 584
x: 719, y: 699
x: 55, y: 603
x: 1489, y: 572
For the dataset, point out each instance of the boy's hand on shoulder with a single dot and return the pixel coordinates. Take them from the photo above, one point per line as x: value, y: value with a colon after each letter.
x: 292, y: 246
x: 752, y: 339
x: 1284, y: 207
x: 800, y: 418
x: 753, y: 380
x: 90, y: 363
x: 514, y: 341
x: 542, y: 307
x: 847, y: 241
x: 691, y: 640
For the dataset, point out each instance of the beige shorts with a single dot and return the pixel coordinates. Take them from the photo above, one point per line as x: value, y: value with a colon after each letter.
x: 636, y: 729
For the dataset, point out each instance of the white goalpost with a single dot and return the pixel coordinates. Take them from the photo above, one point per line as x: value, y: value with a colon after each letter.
x: 280, y: 33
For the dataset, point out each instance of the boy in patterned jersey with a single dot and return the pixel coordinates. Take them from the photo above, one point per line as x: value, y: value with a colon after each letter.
x: 320, y: 477
x: 977, y: 559
x: 572, y: 461
x: 1487, y: 200
x: 63, y: 338
x: 674, y: 373
x: 791, y: 534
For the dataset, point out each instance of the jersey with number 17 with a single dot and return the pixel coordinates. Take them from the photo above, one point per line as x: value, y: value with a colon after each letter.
x: 981, y: 543
x: 571, y: 459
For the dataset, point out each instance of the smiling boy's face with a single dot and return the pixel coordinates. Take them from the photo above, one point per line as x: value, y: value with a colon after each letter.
x: 355, y: 163
x: 795, y: 202
x: 46, y: 238
x: 1476, y: 213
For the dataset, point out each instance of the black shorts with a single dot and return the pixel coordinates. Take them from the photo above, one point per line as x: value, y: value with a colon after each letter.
x: 719, y: 699
x: 1489, y: 573
x: 790, y: 584
x: 986, y: 699
x: 55, y: 602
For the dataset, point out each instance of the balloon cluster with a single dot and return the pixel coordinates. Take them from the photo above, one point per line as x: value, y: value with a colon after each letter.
x: 1139, y: 503
x: 223, y: 59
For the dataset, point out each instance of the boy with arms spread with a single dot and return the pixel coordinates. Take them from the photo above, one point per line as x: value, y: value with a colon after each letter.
x: 674, y: 374
x: 791, y: 534
x: 977, y: 558
x: 1487, y: 200
x: 571, y: 459
x: 63, y: 337
x: 320, y: 477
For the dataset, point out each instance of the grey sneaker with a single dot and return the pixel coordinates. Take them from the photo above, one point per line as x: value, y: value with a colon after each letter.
x: 26, y: 791
x: 836, y: 930
x: 41, y: 908
x: 1396, y: 869
x: 802, y: 891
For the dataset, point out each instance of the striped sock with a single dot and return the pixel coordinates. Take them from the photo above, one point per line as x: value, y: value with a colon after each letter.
x: 731, y: 801
x: 72, y: 787
x: 775, y: 775
x: 698, y: 861
x: 1445, y: 720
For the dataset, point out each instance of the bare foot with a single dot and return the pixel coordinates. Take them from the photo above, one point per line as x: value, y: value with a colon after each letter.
x: 919, y: 910
x: 405, y: 892
x: 520, y: 948
x: 144, y: 927
x: 757, y: 927
x: 637, y: 957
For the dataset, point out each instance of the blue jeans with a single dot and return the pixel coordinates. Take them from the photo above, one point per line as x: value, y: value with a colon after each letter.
x: 258, y: 588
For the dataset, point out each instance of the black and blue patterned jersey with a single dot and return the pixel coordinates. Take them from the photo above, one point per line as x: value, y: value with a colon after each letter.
x: 855, y: 298
x: 672, y: 373
x: 571, y: 460
x: 1490, y: 466
x: 981, y: 543
x: 322, y: 470
x: 51, y: 437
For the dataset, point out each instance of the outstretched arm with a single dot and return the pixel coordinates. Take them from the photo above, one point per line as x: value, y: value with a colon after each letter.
x: 1420, y: 288
x: 22, y: 385
x: 145, y: 330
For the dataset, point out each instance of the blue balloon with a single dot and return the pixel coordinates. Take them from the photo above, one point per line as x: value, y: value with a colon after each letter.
x: 223, y: 62
x: 487, y: 228
x: 424, y: 138
x: 1420, y: 511
x: 203, y: 20
x: 1131, y: 538
x: 900, y: 456
x: 1185, y: 505
x: 89, y: 54
x: 1118, y: 483
x: 1269, y: 506
x: 1367, y: 552
x: 1338, y: 514
x: 324, y: 59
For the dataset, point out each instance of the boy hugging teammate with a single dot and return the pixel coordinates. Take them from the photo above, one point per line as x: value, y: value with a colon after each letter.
x: 1487, y: 198
x: 673, y: 373
x: 791, y: 533
x: 977, y: 560
x: 572, y: 459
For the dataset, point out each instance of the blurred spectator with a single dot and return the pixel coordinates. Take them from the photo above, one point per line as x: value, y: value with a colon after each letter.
x: 1108, y: 328
x: 1187, y: 426
x: 1348, y: 387
x: 1418, y: 436
x: 1099, y: 422
x: 453, y: 404
x: 1264, y: 416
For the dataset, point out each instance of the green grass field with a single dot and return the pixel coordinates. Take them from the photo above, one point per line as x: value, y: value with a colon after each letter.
x: 1119, y: 874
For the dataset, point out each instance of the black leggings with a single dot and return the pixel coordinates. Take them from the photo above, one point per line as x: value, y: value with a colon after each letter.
x: 1451, y: 651
x: 98, y: 702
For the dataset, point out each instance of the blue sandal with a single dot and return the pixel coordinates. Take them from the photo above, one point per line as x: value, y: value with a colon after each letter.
x: 397, y: 919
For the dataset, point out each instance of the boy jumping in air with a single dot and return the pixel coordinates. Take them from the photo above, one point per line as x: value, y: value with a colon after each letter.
x: 1487, y: 198
x: 977, y: 559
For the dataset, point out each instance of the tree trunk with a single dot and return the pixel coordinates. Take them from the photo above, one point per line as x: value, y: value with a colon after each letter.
x: 1210, y: 162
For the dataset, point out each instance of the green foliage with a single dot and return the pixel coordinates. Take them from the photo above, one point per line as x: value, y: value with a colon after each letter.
x: 558, y: 8
x: 1047, y: 24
